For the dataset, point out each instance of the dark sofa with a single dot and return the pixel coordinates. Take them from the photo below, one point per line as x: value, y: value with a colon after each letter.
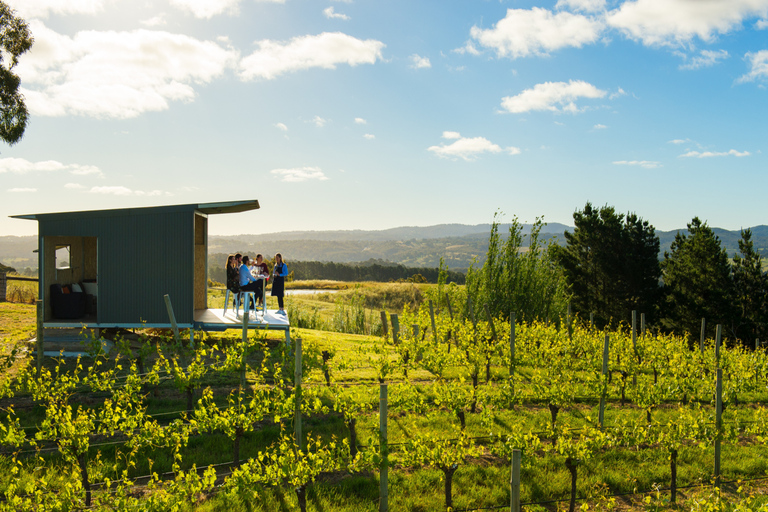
x: 67, y: 305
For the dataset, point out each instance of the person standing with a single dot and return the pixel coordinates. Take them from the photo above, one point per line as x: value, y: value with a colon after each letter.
x: 261, y: 270
x: 279, y: 273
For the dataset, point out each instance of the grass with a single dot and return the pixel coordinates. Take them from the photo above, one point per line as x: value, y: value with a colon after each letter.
x: 24, y: 292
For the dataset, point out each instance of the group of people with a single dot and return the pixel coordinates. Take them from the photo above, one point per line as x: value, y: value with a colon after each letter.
x: 242, y: 275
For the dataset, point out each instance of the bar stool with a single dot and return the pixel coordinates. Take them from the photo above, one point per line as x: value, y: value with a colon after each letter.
x: 226, y: 299
x: 250, y: 298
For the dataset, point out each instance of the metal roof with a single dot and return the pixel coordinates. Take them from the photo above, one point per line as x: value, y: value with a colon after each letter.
x: 205, y: 208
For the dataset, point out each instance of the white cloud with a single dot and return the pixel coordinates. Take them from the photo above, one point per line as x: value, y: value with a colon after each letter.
x: 331, y: 13
x: 679, y: 141
x: 647, y: 164
x: 537, y: 32
x: 552, y: 96
x: 326, y: 50
x: 156, y: 21
x: 23, y: 166
x: 619, y: 93
x: 300, y: 174
x: 360, y: 120
x: 42, y: 8
x: 759, y: 64
x: 705, y: 59
x: 369, y: 136
x: 469, y: 48
x: 115, y: 74
x: 676, y: 22
x: 125, y: 191
x: 418, y: 62
x: 281, y: 126
x: 599, y: 127
x: 207, y: 8
x: 581, y: 5
x: 319, y: 121
x: 468, y: 148
x: 710, y: 154
x: 761, y: 24
x: 21, y: 190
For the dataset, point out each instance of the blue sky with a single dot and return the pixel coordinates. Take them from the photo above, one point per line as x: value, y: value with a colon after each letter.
x: 369, y: 115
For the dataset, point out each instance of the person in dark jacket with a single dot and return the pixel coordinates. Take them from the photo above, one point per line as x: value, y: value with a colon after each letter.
x: 233, y: 277
x: 279, y: 273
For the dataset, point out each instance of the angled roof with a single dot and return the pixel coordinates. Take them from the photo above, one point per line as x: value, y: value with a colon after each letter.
x: 206, y: 208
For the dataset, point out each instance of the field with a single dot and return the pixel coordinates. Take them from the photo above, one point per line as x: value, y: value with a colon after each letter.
x: 156, y: 425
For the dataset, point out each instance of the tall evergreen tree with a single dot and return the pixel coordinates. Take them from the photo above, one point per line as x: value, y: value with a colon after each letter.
x: 750, y: 288
x: 697, y: 282
x: 611, y: 264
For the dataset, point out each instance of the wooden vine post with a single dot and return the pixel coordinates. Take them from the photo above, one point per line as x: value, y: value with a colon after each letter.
x: 718, y: 337
x: 245, y: 344
x: 297, y: 391
x: 703, y: 334
x: 512, y: 352
x: 40, y: 335
x: 383, y: 450
x: 718, y: 423
x: 384, y: 327
x: 432, y: 317
x: 568, y: 320
x: 601, y: 413
x: 172, y: 317
x: 395, y: 329
x: 634, y: 344
x: 514, y: 482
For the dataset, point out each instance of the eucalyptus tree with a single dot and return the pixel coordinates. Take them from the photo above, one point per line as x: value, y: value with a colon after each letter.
x: 15, y: 39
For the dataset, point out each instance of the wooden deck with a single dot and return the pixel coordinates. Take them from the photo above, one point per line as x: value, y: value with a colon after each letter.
x: 216, y: 319
x: 204, y: 319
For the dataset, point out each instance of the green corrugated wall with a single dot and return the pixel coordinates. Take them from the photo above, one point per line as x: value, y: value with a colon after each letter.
x: 141, y: 258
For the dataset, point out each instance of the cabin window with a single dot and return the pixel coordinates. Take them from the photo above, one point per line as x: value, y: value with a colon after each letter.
x: 63, y: 257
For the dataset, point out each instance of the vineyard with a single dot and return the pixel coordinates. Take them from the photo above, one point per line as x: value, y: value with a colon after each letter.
x: 447, y: 409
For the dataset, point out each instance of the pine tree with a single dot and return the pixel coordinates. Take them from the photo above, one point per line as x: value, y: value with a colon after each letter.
x: 697, y: 282
x: 611, y: 264
x: 750, y: 287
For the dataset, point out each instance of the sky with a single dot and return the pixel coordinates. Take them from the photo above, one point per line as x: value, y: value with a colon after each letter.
x: 363, y: 114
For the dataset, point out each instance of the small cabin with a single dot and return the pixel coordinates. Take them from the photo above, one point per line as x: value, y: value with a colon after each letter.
x: 123, y: 263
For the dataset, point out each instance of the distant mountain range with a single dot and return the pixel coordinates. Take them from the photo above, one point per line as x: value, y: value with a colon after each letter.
x: 457, y: 244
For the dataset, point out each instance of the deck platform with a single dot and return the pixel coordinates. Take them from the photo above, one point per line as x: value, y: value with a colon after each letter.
x: 204, y: 319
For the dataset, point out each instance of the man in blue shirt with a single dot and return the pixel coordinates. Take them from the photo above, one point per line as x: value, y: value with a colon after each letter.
x: 248, y: 283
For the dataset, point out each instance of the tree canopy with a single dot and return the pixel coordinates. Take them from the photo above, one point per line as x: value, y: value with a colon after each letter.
x: 513, y: 280
x: 15, y: 39
x: 697, y: 281
x: 611, y: 264
x: 750, y: 288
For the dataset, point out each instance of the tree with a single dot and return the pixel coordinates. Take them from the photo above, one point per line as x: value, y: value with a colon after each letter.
x: 697, y: 281
x: 611, y: 264
x: 750, y: 286
x: 514, y: 280
x: 15, y: 39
